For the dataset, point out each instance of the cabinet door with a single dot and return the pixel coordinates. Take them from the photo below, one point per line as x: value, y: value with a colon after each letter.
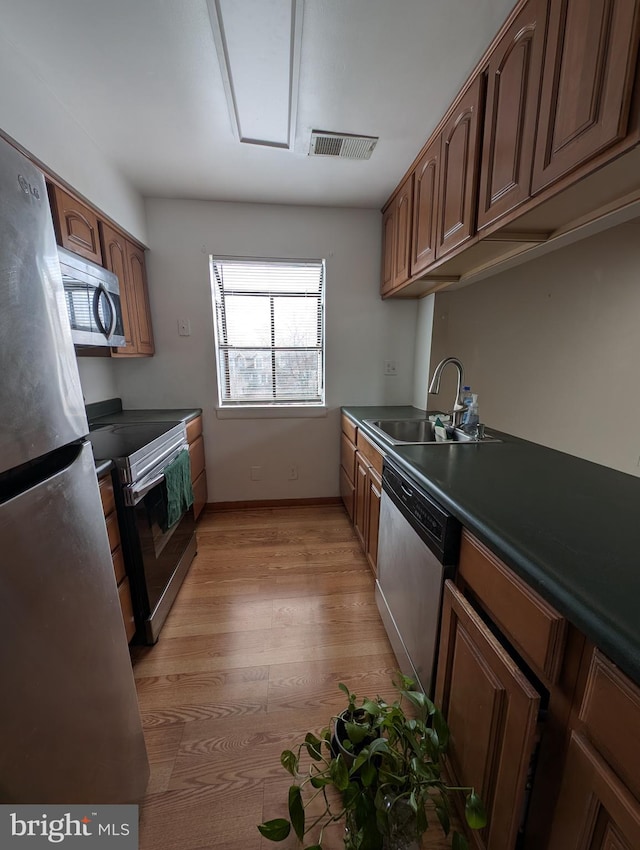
x: 458, y: 171
x: 388, y: 248
x: 114, y: 248
x: 595, y: 811
x: 138, y: 281
x: 513, y: 87
x: 425, y: 208
x: 374, y: 492
x: 586, y: 86
x: 492, y: 711
x: 199, y: 494
x: 360, y: 508
x: 75, y: 224
x: 347, y: 493
x: 402, y: 238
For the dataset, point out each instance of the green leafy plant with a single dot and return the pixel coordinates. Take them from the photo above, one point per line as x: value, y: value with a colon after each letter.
x: 380, y: 771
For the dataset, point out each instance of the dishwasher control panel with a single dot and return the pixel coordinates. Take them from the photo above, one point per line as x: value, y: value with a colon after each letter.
x: 437, y: 528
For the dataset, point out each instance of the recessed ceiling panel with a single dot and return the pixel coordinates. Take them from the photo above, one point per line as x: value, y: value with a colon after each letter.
x: 258, y: 45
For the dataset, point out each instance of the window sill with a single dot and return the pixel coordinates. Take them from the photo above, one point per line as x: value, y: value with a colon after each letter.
x: 290, y: 412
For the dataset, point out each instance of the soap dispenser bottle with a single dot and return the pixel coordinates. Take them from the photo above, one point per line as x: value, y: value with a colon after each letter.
x: 471, y: 416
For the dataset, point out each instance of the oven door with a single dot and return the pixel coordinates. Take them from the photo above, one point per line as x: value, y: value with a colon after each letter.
x: 158, y: 559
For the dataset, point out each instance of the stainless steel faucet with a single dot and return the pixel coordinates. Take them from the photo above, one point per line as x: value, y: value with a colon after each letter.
x: 434, y: 386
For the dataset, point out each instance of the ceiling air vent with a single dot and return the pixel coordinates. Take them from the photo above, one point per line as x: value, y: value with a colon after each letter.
x: 343, y: 145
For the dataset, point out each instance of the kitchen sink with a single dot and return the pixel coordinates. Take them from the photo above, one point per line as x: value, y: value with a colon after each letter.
x: 400, y: 432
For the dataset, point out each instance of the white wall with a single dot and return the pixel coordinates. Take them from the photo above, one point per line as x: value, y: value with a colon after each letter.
x: 98, y: 379
x: 32, y: 116
x: 361, y: 333
x: 422, y: 364
x: 553, y: 348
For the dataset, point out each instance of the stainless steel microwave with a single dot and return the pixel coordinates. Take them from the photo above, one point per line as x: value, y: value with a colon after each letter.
x: 92, y: 295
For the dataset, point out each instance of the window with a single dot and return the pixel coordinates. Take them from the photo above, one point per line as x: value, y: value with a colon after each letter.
x: 269, y: 331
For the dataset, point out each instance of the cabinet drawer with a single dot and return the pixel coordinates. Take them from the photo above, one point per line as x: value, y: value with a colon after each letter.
x: 106, y: 494
x: 348, y: 457
x: 611, y: 714
x: 113, y: 532
x: 196, y: 455
x: 348, y: 428
x: 370, y: 452
x: 536, y: 630
x: 118, y: 564
x: 194, y: 429
x: 126, y: 607
x: 199, y: 494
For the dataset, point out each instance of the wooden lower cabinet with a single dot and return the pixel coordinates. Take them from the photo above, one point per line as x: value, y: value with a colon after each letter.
x: 368, y: 489
x: 374, y: 494
x: 599, y: 803
x: 360, y: 509
x: 542, y: 724
x: 492, y: 711
x: 348, y: 465
x: 113, y: 533
x: 198, y: 465
x: 361, y: 486
x: 595, y: 810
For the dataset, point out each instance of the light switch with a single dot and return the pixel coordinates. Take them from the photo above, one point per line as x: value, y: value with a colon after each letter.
x: 184, y: 327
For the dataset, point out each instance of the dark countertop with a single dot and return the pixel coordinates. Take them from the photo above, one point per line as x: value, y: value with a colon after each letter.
x: 110, y: 412
x: 567, y: 526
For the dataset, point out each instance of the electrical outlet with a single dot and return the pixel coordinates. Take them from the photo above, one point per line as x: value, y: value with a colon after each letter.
x: 256, y: 473
x: 184, y: 327
x: 293, y: 472
x: 390, y: 367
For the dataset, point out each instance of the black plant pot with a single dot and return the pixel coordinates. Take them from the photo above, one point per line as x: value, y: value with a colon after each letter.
x: 339, y: 735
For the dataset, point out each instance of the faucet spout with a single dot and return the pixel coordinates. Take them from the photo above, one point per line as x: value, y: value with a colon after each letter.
x: 434, y: 386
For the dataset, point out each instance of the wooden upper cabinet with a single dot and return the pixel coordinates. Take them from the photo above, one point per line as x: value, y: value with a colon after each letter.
x: 126, y: 260
x: 425, y: 208
x: 138, y: 280
x: 396, y: 238
x: 114, y: 249
x: 513, y: 87
x: 459, y: 169
x: 587, y: 80
x: 492, y: 712
x: 75, y: 224
x: 402, y: 253
x: 388, y: 248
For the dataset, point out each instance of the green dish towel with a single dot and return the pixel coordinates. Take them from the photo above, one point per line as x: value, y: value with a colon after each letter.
x: 177, y: 482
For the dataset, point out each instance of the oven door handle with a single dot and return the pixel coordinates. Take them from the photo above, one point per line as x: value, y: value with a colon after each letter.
x: 135, y: 493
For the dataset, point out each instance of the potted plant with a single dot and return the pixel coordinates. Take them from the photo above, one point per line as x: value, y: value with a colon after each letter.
x: 379, y: 771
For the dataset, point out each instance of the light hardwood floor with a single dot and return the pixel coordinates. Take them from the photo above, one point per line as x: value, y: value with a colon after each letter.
x: 277, y: 608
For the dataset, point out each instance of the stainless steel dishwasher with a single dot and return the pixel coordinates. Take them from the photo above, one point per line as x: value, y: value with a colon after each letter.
x: 418, y: 549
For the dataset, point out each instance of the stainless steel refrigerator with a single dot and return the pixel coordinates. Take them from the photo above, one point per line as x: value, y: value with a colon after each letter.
x: 70, y: 729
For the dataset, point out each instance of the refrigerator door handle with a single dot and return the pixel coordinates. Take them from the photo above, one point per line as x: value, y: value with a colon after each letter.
x: 102, y: 293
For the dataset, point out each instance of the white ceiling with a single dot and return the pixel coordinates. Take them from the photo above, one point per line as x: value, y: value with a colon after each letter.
x: 142, y: 78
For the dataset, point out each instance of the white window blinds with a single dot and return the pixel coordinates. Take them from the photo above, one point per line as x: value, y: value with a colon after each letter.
x: 269, y: 323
